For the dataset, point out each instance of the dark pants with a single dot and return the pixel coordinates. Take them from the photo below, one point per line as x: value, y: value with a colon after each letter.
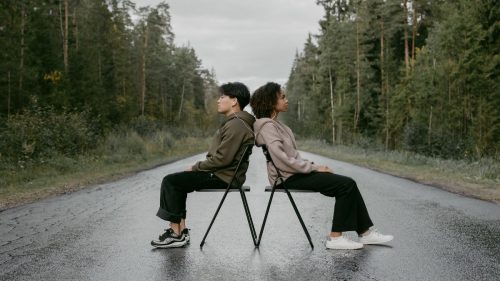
x: 350, y: 213
x: 174, y: 190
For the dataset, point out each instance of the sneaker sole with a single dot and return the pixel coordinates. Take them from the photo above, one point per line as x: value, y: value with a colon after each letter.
x: 376, y: 242
x: 344, y: 248
x: 171, y: 245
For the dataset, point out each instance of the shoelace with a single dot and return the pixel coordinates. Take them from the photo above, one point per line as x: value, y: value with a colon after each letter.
x: 374, y: 232
x: 166, y: 234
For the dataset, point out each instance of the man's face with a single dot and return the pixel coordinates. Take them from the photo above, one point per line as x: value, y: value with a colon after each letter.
x: 225, y: 104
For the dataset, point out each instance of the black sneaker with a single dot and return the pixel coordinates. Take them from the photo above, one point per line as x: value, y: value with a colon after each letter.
x: 169, y: 240
x: 185, y: 232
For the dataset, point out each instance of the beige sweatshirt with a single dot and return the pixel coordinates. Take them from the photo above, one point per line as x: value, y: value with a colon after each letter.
x: 282, y: 147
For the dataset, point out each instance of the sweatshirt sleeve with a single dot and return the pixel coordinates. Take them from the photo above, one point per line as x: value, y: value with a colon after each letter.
x: 231, y: 139
x: 283, y: 162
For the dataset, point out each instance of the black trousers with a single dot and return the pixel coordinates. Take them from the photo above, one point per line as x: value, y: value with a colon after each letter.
x: 174, y: 190
x: 350, y: 213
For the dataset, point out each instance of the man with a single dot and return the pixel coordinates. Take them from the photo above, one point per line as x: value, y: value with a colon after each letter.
x: 215, y: 171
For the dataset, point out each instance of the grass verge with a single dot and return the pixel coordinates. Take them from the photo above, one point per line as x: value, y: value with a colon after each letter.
x: 116, y: 158
x: 479, y: 179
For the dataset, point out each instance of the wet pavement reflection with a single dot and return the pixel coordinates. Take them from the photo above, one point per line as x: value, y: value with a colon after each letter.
x: 103, y: 233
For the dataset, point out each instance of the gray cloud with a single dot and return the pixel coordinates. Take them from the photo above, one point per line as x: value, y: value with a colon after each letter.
x: 248, y: 41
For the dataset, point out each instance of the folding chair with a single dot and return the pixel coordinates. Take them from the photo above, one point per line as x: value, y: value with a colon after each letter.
x: 281, y: 188
x: 237, y: 186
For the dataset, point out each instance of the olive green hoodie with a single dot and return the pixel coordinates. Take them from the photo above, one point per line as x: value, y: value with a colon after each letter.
x: 227, y: 147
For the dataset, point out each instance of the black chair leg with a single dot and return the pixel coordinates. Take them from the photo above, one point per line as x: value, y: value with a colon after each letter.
x: 265, y: 216
x: 215, y: 215
x: 249, y: 217
x: 300, y: 218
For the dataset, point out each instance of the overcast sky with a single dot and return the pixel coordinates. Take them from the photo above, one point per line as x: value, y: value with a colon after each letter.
x: 251, y: 41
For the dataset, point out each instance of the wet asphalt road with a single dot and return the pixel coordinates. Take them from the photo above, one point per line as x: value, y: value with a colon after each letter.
x: 103, y: 233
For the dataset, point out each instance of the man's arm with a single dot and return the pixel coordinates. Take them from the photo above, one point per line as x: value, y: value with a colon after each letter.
x: 231, y: 139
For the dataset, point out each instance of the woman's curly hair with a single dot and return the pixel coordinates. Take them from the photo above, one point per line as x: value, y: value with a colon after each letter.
x: 264, y: 99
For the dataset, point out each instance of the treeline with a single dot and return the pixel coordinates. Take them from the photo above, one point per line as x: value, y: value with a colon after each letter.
x: 415, y: 75
x: 90, y: 67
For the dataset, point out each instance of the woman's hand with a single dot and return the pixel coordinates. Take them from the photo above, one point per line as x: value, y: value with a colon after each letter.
x: 324, y: 168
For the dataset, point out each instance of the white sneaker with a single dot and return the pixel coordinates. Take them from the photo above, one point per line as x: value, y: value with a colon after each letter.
x: 342, y: 243
x: 374, y: 237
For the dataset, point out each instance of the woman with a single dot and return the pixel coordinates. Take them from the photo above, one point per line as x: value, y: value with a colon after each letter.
x: 350, y: 213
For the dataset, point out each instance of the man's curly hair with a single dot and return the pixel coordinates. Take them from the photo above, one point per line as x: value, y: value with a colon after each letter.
x: 264, y: 99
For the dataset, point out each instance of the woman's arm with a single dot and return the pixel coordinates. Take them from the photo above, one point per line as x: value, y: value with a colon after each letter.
x: 275, y: 145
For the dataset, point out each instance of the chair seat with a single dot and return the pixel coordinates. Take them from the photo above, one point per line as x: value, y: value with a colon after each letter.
x: 245, y: 188
x: 279, y: 188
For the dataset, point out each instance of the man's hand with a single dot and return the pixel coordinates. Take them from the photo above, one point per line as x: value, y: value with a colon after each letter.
x: 189, y: 169
x: 324, y: 168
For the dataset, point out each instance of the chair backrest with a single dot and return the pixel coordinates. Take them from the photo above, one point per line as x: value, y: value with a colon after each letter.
x: 247, y: 151
x: 266, y: 154
x: 269, y: 159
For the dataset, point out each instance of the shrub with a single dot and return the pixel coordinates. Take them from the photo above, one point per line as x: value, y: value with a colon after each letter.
x: 40, y: 133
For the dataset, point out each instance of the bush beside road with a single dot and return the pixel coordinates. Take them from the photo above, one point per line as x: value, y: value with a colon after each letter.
x: 118, y: 156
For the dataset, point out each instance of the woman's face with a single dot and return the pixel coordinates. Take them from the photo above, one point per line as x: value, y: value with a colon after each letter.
x: 282, y: 103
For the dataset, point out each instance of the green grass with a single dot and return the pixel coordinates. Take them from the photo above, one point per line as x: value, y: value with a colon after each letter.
x: 118, y: 156
x: 480, y: 179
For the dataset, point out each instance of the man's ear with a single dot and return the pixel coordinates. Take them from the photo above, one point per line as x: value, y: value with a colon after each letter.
x: 236, y: 104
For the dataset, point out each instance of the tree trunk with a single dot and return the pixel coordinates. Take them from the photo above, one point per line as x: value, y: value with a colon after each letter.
x: 163, y: 101
x: 299, y: 117
x: 414, y: 36
x: 358, y: 80
x: 386, y: 123
x: 99, y: 67
x: 331, y: 105
x: 65, y: 38
x: 383, y: 86
x: 21, y: 62
x: 382, y: 58
x: 340, y: 126
x: 430, y: 129
x: 143, y: 70
x: 405, y: 27
x: 123, y: 87
x: 8, y: 97
x: 170, y: 109
x: 75, y: 28
x: 182, y: 99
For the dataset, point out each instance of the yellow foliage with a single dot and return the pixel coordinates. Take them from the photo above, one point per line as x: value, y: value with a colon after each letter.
x: 121, y: 100
x: 53, y: 76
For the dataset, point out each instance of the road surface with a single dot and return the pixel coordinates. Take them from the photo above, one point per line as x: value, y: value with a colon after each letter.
x: 103, y: 233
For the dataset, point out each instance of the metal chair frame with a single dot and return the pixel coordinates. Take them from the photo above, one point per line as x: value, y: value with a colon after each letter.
x: 281, y: 187
x: 237, y: 187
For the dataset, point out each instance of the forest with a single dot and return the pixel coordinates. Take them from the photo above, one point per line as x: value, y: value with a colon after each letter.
x: 408, y: 75
x: 75, y: 72
x: 92, y: 88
